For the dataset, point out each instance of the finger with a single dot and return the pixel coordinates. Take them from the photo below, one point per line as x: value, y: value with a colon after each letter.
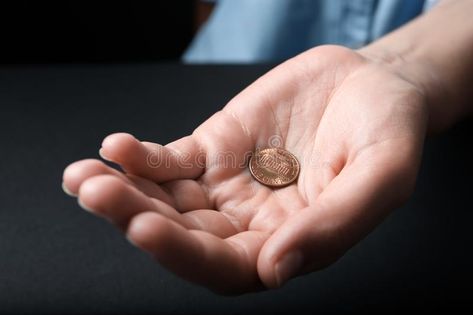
x: 115, y: 200
x: 181, y: 159
x: 349, y: 208
x: 226, y: 266
x: 187, y: 195
x: 76, y: 173
x: 213, y: 222
x: 112, y: 198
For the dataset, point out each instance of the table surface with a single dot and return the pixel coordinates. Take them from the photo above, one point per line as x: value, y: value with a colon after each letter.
x: 56, y: 258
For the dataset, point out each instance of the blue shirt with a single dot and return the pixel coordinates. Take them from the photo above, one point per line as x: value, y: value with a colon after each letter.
x: 246, y: 31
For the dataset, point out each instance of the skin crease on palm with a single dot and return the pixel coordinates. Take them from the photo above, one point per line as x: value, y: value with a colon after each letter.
x: 356, y: 128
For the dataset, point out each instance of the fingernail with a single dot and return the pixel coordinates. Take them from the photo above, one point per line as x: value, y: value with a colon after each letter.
x: 102, y: 155
x: 67, y: 191
x: 288, y: 266
x: 83, y: 206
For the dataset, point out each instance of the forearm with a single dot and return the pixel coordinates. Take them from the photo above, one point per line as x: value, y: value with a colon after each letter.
x: 435, y: 52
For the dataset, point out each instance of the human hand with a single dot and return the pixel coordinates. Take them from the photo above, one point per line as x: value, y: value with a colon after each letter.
x: 357, y: 129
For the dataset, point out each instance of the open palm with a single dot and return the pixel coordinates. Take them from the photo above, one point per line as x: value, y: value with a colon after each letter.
x: 357, y: 130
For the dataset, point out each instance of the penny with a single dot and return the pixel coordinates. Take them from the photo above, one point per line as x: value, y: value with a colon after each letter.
x: 274, y: 167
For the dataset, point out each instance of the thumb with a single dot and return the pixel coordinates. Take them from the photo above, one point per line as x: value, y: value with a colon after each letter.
x: 349, y: 208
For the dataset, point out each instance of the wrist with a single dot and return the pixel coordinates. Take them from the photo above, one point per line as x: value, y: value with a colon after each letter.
x: 447, y: 92
x: 409, y: 65
x: 435, y: 58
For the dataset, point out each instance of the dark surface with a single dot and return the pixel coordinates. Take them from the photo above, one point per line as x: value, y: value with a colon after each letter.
x: 44, y: 31
x: 56, y: 258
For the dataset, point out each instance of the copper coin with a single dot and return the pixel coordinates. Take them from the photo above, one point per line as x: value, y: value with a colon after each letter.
x: 274, y: 167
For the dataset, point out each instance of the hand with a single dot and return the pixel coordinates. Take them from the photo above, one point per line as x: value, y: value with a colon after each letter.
x: 357, y: 129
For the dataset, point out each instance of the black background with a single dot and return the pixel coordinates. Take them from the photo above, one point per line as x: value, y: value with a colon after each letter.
x: 94, y: 31
x: 56, y: 258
